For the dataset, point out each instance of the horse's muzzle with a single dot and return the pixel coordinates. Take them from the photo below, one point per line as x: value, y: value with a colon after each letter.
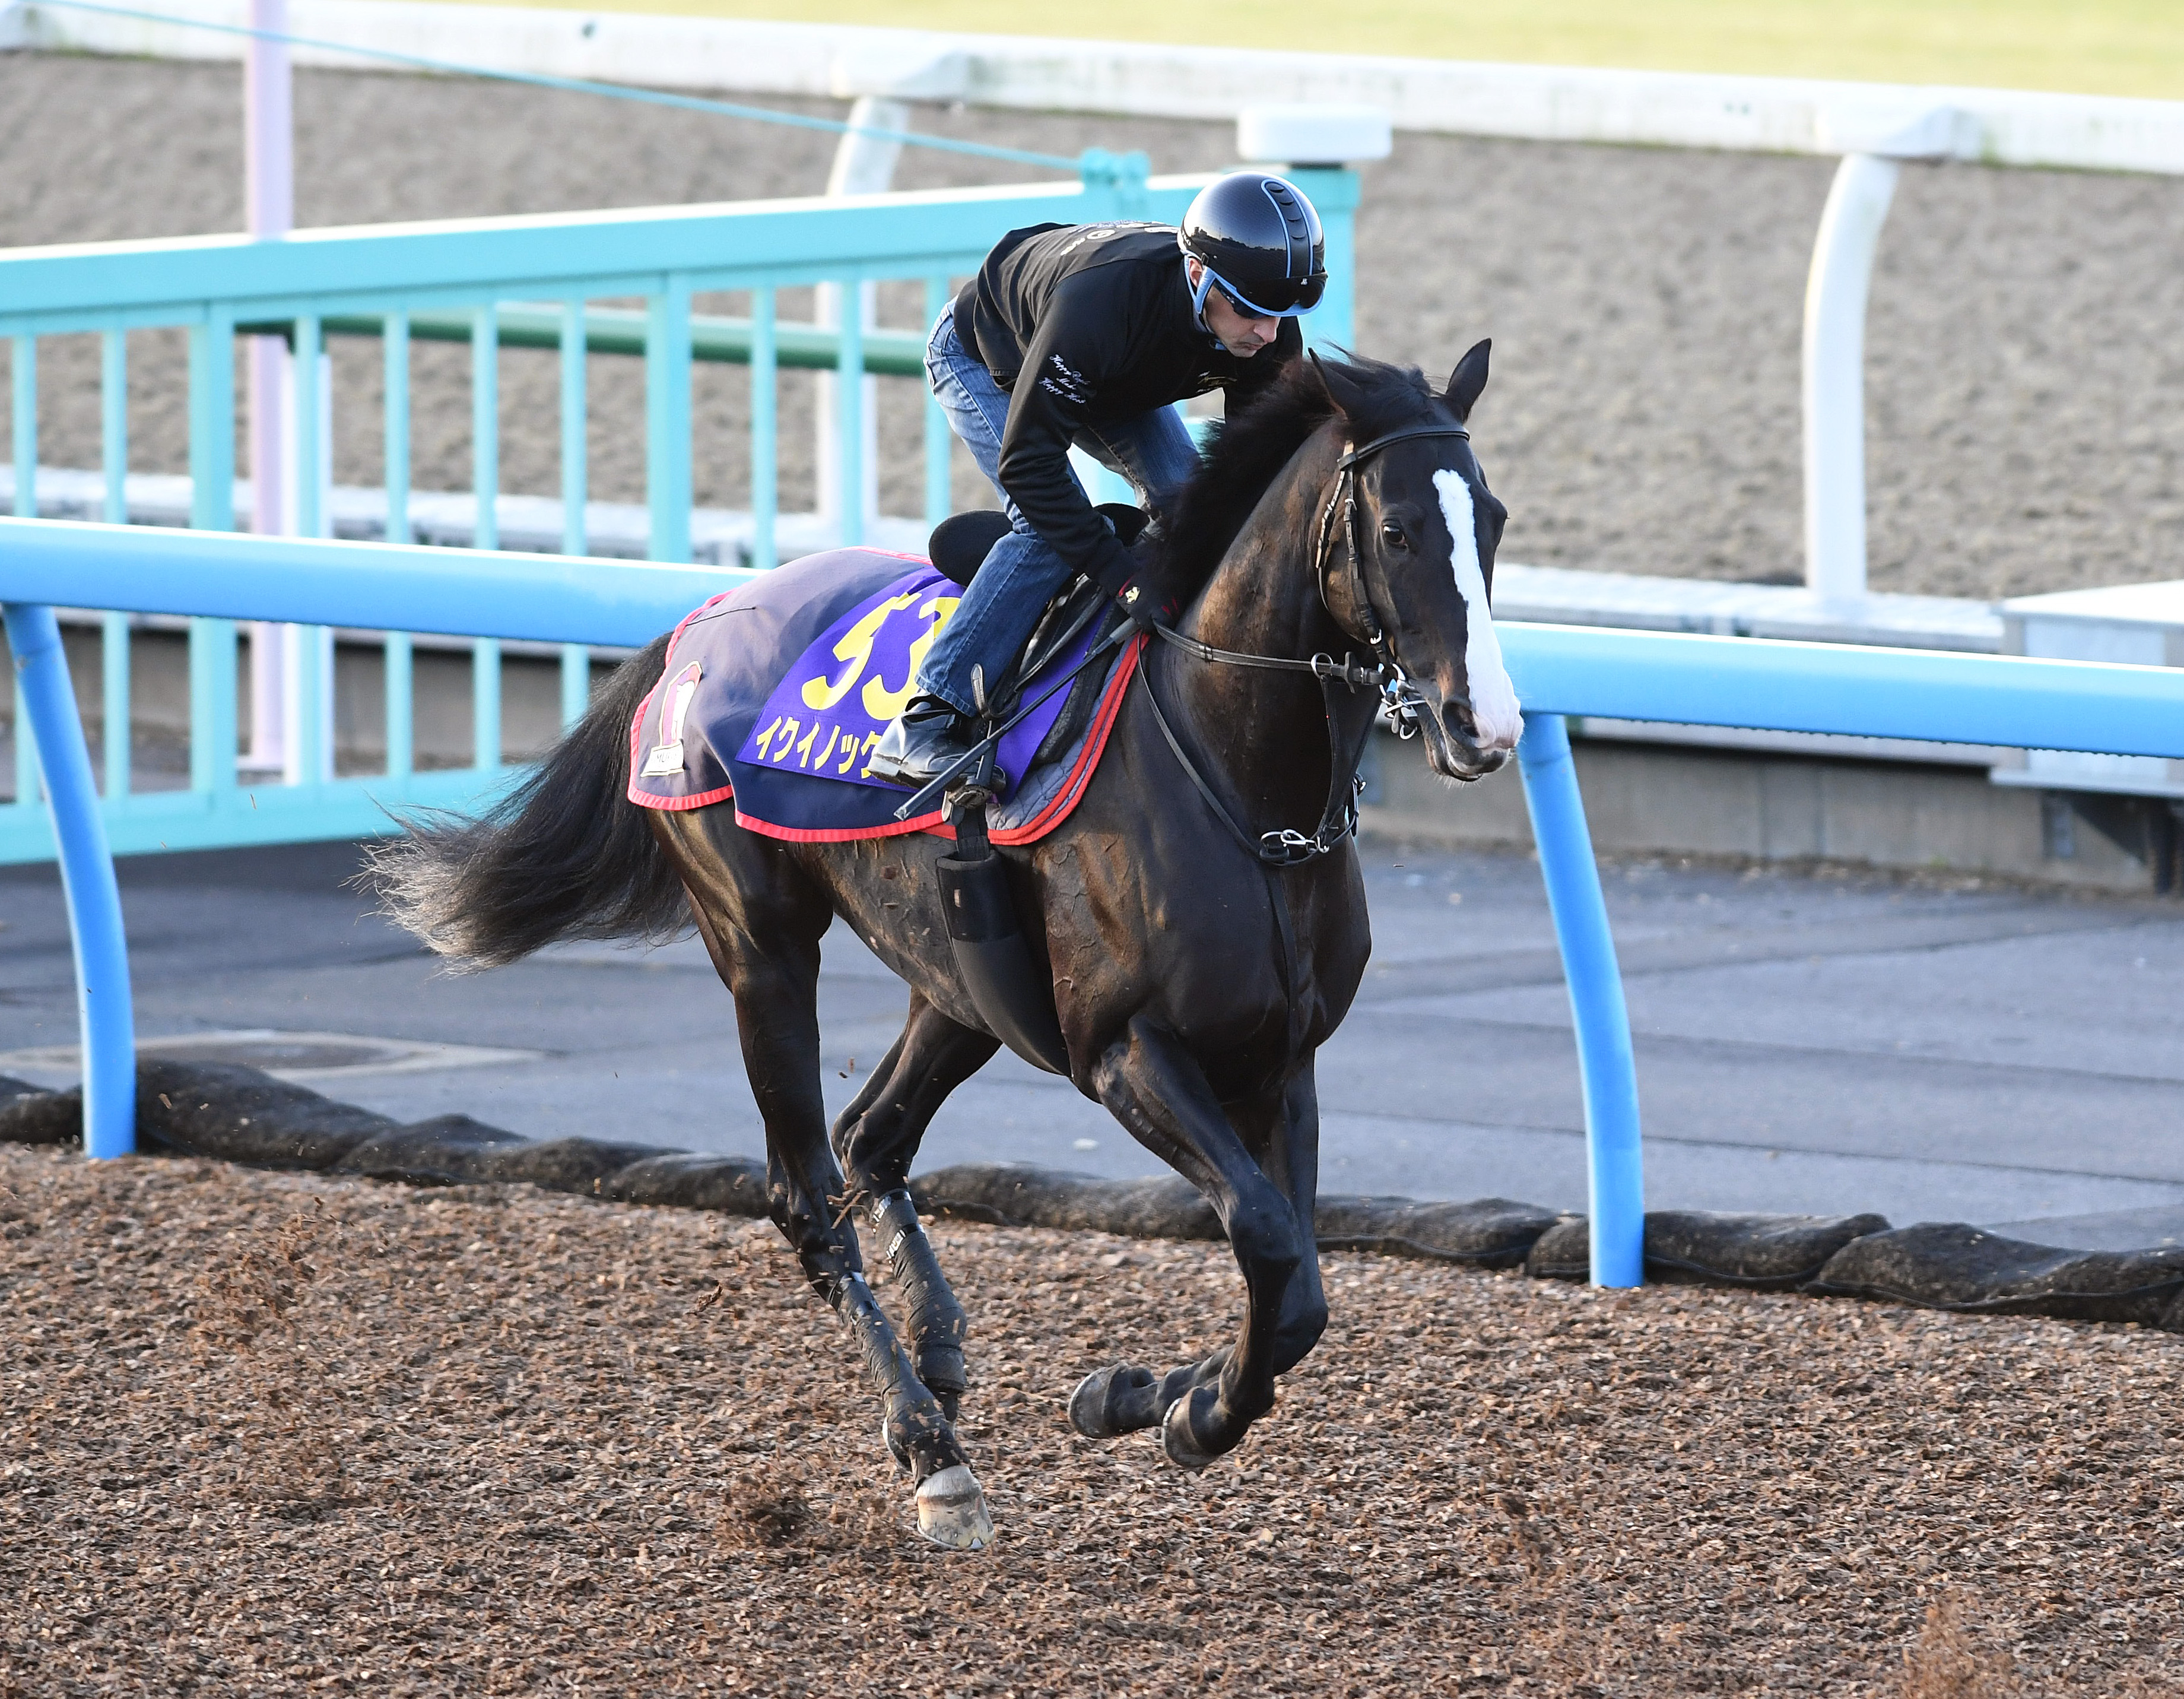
x: 1452, y: 747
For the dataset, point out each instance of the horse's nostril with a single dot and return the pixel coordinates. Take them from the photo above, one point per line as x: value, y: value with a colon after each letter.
x: 1457, y: 718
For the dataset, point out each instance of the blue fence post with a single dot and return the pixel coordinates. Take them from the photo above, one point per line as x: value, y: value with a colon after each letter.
x: 212, y: 508
x: 399, y: 653
x: 850, y: 415
x: 396, y: 354
x: 114, y: 640
x: 309, y: 665
x: 667, y: 419
x: 1615, y: 1179
x: 94, y: 900
x: 485, y: 527
x: 940, y: 437
x: 575, y: 658
x: 24, y: 411
x: 765, y: 411
x: 575, y: 440
x: 1334, y: 192
x: 401, y: 704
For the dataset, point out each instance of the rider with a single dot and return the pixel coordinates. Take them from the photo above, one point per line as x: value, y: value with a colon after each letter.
x: 1087, y: 334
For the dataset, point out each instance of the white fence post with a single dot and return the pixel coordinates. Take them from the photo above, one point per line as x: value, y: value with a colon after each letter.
x: 1875, y: 146
x: 872, y: 74
x: 1313, y: 138
x: 1835, y: 374
x: 863, y: 165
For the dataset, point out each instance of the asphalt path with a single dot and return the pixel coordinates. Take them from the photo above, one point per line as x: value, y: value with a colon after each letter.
x: 1804, y: 1044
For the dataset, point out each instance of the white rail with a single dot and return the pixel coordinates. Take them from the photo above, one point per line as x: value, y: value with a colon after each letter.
x: 1527, y: 102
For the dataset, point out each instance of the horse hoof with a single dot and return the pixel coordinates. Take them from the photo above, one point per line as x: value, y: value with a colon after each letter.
x: 1177, y: 1440
x: 951, y: 1511
x: 1098, y: 1408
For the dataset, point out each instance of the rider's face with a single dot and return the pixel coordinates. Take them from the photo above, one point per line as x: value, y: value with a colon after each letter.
x: 1241, y: 333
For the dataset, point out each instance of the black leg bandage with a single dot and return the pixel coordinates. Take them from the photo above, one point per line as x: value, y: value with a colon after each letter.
x: 937, y: 1323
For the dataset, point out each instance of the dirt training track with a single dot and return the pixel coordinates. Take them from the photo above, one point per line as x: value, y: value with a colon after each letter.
x: 2024, y: 354
x: 268, y: 1434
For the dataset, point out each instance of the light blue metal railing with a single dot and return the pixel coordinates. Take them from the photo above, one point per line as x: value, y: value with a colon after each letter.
x: 1764, y: 684
x: 1559, y: 670
x: 498, y: 284
x: 215, y: 580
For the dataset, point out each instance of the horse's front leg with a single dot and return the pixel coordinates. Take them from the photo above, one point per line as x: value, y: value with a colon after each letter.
x: 1290, y: 1138
x: 1153, y: 1086
x: 1126, y: 1397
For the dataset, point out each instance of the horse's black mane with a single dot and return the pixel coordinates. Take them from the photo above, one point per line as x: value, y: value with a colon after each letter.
x: 1247, y: 450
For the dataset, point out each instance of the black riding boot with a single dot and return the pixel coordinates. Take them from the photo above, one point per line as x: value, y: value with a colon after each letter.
x: 928, y: 739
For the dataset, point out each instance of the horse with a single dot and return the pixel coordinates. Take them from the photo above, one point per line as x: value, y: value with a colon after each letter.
x: 1200, y: 948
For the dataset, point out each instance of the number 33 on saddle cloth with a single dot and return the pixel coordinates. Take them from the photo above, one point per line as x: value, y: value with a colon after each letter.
x: 774, y: 695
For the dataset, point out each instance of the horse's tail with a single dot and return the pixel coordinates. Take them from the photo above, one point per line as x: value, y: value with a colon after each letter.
x: 565, y: 855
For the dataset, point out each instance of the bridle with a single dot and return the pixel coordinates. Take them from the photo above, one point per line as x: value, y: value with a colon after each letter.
x: 1400, y: 696
x: 1399, y: 699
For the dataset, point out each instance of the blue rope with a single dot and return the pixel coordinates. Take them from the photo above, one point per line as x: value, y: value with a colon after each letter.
x: 1094, y: 163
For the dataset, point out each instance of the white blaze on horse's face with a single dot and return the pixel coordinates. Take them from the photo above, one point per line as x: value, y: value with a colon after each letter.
x: 1494, y: 710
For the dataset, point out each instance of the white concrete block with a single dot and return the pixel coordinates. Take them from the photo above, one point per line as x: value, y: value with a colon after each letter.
x: 1313, y: 135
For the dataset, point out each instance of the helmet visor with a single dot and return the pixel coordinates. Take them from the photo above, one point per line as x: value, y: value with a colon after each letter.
x: 1280, y: 298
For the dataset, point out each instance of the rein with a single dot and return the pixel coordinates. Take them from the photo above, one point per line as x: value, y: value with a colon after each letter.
x: 1400, y: 698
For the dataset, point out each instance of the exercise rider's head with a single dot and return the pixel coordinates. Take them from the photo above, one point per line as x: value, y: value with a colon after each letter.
x: 1254, y: 255
x: 1236, y: 327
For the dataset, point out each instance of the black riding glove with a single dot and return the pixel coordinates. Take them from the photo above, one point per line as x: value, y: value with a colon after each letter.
x: 1149, y: 607
x: 1123, y: 577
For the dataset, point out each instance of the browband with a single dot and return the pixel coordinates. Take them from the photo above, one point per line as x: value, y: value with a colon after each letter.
x: 1353, y: 456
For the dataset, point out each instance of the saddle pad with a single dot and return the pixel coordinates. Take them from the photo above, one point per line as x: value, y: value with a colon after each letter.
x: 774, y: 694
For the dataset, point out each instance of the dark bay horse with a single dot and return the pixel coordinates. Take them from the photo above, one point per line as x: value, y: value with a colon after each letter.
x: 1202, y: 948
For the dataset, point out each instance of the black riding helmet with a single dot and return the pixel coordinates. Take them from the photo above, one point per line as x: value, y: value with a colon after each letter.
x: 1260, y: 242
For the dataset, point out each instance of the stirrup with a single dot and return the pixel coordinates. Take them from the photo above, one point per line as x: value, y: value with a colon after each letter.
x: 929, y: 731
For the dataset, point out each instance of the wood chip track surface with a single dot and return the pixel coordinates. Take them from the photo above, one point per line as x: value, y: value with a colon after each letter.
x: 272, y: 1433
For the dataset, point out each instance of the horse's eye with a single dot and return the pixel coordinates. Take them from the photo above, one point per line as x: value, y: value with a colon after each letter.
x: 1392, y: 534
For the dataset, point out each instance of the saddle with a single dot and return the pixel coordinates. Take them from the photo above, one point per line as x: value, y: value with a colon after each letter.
x: 958, y: 546
x: 961, y: 542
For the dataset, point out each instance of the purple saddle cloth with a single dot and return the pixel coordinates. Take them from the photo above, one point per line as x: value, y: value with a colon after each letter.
x: 774, y: 694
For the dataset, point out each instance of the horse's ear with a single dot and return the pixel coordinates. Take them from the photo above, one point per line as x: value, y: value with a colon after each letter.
x: 1469, y: 377
x: 1343, y: 390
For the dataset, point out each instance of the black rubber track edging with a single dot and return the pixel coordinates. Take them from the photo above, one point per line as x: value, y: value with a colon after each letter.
x: 239, y: 1115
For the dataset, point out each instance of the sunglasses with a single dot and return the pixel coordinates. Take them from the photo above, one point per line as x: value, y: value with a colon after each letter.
x: 1300, y: 298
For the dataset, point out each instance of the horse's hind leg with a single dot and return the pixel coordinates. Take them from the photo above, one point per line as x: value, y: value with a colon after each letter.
x: 876, y: 1139
x: 761, y: 921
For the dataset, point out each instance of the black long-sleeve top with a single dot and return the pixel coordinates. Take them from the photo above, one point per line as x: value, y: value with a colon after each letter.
x: 1084, y: 325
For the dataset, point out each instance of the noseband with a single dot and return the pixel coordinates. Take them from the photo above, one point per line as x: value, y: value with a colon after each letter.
x: 1399, y: 697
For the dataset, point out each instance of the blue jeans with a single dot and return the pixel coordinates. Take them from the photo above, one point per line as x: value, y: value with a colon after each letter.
x: 992, y: 623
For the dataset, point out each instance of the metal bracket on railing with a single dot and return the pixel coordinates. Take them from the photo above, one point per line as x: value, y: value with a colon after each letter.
x: 1124, y: 176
